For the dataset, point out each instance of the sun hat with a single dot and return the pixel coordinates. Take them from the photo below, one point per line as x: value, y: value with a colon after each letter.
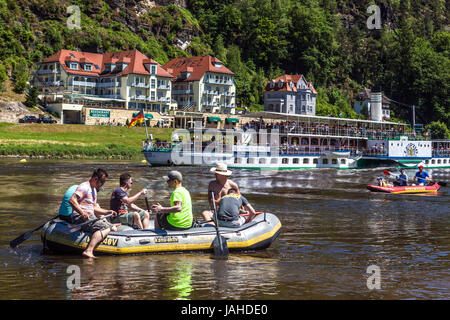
x: 173, y: 175
x: 221, y: 168
x: 421, y: 166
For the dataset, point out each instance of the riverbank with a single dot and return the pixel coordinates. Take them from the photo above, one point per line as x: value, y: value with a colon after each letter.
x: 75, y: 141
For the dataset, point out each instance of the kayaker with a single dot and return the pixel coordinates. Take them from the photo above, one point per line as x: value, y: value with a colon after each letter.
x: 421, y: 177
x: 120, y: 200
x: 65, y: 209
x: 401, y: 179
x: 85, y: 208
x: 179, y: 215
x: 220, y: 186
x: 228, y: 212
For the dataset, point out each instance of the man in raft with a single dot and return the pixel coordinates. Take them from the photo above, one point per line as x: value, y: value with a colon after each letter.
x: 220, y: 187
x: 85, y: 208
x: 179, y: 215
x: 422, y: 177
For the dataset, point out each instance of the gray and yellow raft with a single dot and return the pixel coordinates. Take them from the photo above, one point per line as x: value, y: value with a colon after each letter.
x: 257, y: 234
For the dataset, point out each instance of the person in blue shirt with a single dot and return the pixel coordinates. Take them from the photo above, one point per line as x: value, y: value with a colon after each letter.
x: 421, y: 177
x: 401, y: 179
x: 65, y: 209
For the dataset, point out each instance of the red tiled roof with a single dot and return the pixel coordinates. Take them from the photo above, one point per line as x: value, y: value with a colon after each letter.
x: 196, y: 65
x: 286, y: 79
x: 134, y: 58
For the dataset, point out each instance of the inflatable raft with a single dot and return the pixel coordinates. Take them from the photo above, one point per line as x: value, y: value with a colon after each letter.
x: 405, y: 189
x: 257, y: 234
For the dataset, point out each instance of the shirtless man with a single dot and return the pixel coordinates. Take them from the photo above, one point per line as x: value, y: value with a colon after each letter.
x: 220, y: 187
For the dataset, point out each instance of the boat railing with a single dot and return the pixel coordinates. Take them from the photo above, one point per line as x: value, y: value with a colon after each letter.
x: 347, y: 132
x: 441, y: 153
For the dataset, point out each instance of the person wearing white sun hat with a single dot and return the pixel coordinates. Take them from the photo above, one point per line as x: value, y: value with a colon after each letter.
x: 220, y: 186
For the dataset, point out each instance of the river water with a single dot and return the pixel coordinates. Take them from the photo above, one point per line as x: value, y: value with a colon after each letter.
x: 333, y: 230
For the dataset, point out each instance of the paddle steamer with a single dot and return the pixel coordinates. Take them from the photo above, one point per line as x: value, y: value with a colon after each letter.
x: 280, y: 142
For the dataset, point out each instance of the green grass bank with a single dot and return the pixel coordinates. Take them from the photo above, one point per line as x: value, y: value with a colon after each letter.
x: 75, y: 141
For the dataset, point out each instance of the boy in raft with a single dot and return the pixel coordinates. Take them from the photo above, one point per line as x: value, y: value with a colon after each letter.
x: 120, y: 201
x: 229, y: 208
x: 179, y: 215
x: 402, y: 179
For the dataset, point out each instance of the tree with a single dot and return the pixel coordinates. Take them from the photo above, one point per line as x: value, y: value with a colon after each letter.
x: 31, y: 97
x: 438, y: 130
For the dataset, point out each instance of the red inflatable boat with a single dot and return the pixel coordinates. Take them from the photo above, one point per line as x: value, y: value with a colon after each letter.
x: 406, y: 189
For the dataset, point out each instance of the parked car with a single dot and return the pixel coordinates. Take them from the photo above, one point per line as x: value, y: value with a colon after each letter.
x: 28, y: 119
x: 46, y: 120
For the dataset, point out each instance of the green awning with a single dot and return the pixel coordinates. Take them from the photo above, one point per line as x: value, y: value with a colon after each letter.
x: 146, y: 115
x: 215, y: 119
x: 232, y: 120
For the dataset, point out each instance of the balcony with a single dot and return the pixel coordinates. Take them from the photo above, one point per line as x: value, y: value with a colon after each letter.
x: 54, y: 83
x: 219, y: 81
x: 83, y: 83
x: 139, y: 98
x: 188, y: 91
x: 111, y: 96
x: 164, y: 99
x: 108, y: 84
x: 49, y: 71
x: 140, y: 85
x: 163, y: 87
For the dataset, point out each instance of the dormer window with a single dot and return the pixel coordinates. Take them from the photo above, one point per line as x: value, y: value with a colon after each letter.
x: 291, y: 84
x: 88, y: 67
x: 217, y: 64
x: 280, y: 84
x: 272, y: 84
x: 73, y: 65
x: 153, y: 69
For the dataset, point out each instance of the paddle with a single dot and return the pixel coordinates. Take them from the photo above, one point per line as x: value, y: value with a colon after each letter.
x: 14, y: 243
x: 79, y: 226
x: 394, y: 175
x: 219, y: 242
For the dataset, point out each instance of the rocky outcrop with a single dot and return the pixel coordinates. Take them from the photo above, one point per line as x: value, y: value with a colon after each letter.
x: 13, y: 111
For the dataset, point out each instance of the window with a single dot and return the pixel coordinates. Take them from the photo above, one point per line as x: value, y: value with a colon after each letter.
x: 315, y: 161
x: 334, y: 161
x: 153, y: 84
x: 274, y: 160
x: 262, y: 161
x: 285, y: 161
x: 73, y: 66
x: 324, y: 161
x: 343, y: 161
x: 295, y: 161
x: 153, y: 69
x: 88, y: 67
x: 306, y: 160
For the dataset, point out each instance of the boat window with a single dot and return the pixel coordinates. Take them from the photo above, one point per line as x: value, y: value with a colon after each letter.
x: 439, y: 161
x: 314, y: 142
x: 306, y: 160
x: 295, y: 160
x: 427, y: 162
x: 315, y: 161
x: 433, y: 161
x: 285, y: 161
x: 324, y: 161
x: 274, y: 160
x: 236, y: 160
x: 343, y: 161
x: 444, y: 161
x: 262, y: 161
x: 251, y: 160
x: 334, y: 161
x: 304, y: 141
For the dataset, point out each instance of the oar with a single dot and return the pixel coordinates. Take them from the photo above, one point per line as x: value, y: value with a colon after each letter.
x: 219, y: 242
x: 394, y: 175
x: 14, y: 243
x: 79, y: 226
